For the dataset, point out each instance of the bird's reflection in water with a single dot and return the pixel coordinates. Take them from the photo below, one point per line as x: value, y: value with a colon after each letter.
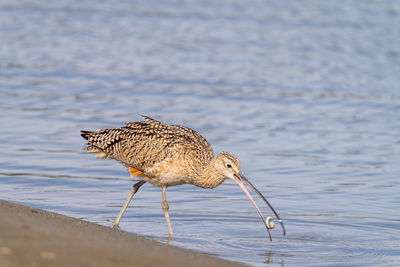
x: 270, y: 256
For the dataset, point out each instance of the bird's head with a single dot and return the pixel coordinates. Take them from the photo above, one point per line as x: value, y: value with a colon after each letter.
x: 227, y: 165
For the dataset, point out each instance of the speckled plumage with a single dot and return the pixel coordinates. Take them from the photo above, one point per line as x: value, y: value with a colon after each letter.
x: 166, y: 154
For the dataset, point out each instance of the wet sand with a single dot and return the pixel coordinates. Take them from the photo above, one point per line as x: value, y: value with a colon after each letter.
x: 34, y: 237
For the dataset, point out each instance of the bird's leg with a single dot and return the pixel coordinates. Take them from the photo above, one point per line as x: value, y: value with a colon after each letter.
x: 134, y: 189
x: 165, y: 207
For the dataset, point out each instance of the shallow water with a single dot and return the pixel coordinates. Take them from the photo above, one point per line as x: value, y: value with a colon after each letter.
x: 306, y: 94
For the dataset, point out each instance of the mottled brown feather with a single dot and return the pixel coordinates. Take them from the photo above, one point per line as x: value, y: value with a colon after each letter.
x: 150, y: 143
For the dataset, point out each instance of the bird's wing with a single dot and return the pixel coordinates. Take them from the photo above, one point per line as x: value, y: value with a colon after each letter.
x: 143, y: 144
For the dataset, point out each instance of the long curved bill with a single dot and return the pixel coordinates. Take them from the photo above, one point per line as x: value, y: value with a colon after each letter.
x: 238, y: 179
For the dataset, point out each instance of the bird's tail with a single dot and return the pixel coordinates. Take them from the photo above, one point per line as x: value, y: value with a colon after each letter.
x: 86, y: 134
x: 91, y: 148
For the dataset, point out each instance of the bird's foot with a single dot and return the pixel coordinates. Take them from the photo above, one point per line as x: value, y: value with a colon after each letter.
x: 169, y: 240
x: 115, y: 225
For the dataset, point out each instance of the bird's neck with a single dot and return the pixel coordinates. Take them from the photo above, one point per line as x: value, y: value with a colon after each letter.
x: 210, y: 178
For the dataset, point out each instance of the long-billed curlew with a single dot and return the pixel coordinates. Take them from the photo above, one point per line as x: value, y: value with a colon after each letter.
x: 166, y: 155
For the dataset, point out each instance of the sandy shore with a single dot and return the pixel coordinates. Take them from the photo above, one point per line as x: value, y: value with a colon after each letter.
x: 33, y: 237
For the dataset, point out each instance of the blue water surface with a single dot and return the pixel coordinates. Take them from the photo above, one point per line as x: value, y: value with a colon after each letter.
x: 305, y: 93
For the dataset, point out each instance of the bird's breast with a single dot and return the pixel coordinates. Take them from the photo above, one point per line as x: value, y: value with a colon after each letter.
x: 169, y: 172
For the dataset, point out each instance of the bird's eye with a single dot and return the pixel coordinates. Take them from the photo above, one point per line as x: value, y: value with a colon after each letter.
x: 228, y: 165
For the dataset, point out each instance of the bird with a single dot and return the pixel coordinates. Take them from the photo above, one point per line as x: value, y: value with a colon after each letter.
x: 168, y: 155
